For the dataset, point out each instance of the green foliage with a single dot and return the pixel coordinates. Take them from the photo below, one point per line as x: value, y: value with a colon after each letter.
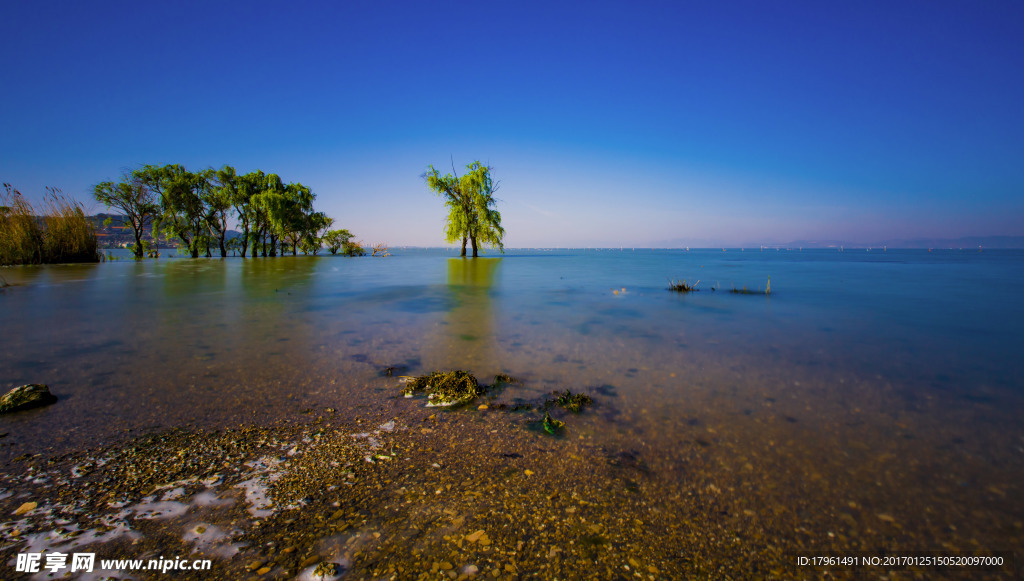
x: 471, y: 206
x: 198, y: 207
x: 246, y: 189
x: 316, y: 226
x: 219, y: 201
x: 183, y: 202
x: 137, y: 201
x: 289, y: 215
x: 350, y: 248
x: 335, y: 239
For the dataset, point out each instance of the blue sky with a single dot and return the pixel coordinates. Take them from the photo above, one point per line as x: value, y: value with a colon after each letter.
x: 608, y: 123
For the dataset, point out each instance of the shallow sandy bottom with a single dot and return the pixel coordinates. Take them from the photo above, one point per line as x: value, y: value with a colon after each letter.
x: 400, y: 491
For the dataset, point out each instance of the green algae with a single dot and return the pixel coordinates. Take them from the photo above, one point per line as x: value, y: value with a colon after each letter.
x: 551, y: 425
x: 445, y: 388
x: 574, y: 402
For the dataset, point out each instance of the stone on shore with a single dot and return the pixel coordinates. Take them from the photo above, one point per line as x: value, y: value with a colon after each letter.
x: 26, y: 397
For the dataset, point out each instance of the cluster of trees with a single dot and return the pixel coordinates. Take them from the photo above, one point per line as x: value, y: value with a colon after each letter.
x: 471, y: 206
x: 197, y: 209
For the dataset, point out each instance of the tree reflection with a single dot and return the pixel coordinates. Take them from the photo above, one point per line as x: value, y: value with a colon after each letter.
x: 468, y: 342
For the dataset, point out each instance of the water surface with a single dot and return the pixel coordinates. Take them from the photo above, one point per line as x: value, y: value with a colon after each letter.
x: 876, y: 383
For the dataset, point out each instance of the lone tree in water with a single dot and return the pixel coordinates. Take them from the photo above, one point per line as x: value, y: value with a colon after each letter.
x: 131, y: 195
x: 471, y: 206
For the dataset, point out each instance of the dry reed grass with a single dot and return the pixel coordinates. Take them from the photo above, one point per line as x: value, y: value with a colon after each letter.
x: 62, y: 234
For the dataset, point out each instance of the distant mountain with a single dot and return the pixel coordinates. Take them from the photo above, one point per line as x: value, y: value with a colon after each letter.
x: 119, y: 232
x: 963, y: 242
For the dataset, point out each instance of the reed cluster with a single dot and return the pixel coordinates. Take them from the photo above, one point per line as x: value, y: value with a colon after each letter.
x: 747, y: 291
x: 681, y: 286
x: 62, y: 234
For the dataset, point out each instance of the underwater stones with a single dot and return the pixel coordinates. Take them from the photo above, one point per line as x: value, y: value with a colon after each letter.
x: 26, y: 397
x: 26, y: 508
x: 326, y: 570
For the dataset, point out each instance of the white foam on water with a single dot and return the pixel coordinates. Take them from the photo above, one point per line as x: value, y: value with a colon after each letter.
x: 257, y: 488
x: 209, y: 498
x: 174, y: 493
x: 150, y: 508
x: 211, y: 540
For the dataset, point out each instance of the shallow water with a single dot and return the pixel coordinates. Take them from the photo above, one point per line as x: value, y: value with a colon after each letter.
x: 171, y: 341
x: 883, y: 379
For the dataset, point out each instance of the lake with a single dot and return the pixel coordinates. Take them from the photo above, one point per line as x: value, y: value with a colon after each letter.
x: 873, y: 400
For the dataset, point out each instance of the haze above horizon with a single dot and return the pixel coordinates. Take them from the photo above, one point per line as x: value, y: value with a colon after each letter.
x: 666, y: 124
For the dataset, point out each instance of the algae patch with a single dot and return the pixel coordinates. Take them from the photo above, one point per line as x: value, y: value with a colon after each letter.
x: 551, y: 425
x: 444, y: 388
x: 574, y: 402
x: 452, y: 388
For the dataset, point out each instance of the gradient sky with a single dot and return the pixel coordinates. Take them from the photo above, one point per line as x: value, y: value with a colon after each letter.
x: 608, y: 123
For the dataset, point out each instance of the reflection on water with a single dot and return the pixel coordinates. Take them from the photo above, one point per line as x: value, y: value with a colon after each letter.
x: 880, y: 380
x: 465, y: 338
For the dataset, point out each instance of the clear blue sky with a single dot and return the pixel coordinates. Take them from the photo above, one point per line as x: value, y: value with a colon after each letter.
x: 608, y: 123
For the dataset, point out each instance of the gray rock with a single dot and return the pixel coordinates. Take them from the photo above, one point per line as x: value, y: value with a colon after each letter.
x: 26, y: 397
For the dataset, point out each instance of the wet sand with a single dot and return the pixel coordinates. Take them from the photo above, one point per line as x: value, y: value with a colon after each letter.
x: 402, y: 491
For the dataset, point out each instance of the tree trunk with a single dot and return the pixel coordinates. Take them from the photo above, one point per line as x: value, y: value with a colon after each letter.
x: 273, y: 245
x: 223, y: 249
x: 138, y: 244
x: 463, y: 247
x: 473, y: 239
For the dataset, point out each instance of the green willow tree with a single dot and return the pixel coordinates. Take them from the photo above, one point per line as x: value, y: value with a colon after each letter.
x: 336, y: 239
x: 218, y: 204
x: 472, y: 216
x: 254, y: 190
x: 198, y: 208
x: 317, y: 224
x: 269, y: 205
x: 290, y: 218
x: 132, y: 196
x: 182, y: 208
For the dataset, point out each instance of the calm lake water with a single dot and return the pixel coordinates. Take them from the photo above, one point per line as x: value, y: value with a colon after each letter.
x: 892, y: 379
